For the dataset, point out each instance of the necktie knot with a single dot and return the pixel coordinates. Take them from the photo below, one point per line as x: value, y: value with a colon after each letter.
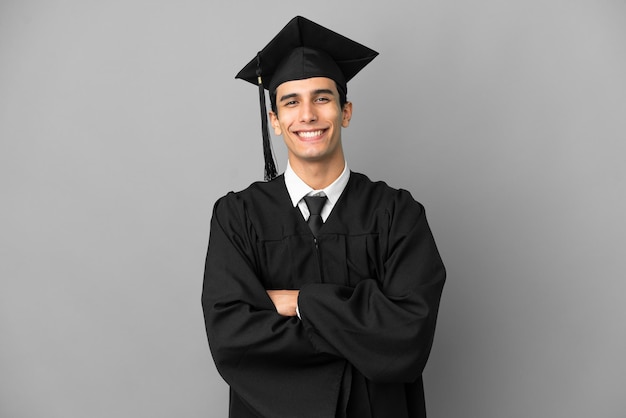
x: 315, y: 205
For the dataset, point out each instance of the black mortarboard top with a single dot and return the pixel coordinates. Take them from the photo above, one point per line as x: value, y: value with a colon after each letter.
x: 302, y: 49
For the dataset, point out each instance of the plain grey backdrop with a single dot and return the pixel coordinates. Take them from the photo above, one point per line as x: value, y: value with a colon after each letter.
x: 121, y: 123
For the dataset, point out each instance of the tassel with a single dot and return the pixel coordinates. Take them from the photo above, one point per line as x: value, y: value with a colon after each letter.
x: 270, y: 166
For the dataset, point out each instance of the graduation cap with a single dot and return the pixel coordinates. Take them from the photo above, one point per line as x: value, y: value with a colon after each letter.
x: 302, y: 49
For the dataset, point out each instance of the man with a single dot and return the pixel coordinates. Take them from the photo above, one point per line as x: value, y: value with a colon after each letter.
x: 321, y: 287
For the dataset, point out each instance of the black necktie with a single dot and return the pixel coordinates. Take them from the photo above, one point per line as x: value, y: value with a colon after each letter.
x: 315, y: 205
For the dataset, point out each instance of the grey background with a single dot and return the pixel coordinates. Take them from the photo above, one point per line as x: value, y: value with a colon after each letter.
x: 121, y: 124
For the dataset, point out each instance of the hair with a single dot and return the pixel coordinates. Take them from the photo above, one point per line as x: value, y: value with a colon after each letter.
x: 343, y: 99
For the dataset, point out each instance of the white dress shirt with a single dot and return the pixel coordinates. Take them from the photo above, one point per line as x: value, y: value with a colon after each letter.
x: 298, y: 189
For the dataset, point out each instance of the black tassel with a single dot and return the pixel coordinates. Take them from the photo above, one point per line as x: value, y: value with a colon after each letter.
x: 270, y: 166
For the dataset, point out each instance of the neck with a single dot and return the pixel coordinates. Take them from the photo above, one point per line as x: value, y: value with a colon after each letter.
x: 318, y: 175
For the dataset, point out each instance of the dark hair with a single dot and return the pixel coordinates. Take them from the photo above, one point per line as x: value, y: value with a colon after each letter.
x: 343, y: 99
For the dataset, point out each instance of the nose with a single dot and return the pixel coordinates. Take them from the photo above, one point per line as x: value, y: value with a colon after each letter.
x: 307, y: 113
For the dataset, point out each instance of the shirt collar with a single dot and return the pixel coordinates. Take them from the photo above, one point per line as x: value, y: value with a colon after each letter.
x: 297, y: 188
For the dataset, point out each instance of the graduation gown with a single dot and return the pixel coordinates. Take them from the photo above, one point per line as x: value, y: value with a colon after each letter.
x: 369, y: 286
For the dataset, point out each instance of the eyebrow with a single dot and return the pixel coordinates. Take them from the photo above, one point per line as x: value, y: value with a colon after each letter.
x: 314, y: 93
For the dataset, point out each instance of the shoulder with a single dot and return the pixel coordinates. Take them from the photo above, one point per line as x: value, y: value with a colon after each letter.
x: 259, y: 203
x: 380, y: 194
x: 259, y: 191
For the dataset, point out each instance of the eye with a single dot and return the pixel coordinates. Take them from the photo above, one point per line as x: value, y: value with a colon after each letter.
x: 322, y: 99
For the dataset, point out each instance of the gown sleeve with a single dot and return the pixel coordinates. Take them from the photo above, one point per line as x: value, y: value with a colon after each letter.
x: 384, y: 326
x: 267, y: 359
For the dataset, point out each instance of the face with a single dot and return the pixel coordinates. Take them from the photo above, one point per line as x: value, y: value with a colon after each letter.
x: 309, y: 118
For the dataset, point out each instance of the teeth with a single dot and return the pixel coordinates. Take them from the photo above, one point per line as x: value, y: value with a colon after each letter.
x: 310, y: 134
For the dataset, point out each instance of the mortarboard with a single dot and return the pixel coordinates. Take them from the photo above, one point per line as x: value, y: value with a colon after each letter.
x: 302, y: 49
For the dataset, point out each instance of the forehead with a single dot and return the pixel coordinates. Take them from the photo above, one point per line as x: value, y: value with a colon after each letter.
x: 306, y: 86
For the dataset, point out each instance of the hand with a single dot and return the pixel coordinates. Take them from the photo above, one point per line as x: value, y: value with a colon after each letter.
x: 285, y: 301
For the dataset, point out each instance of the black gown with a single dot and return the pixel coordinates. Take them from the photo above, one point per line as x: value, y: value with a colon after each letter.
x: 370, y: 286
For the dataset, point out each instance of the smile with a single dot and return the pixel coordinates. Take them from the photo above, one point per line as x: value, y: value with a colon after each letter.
x: 310, y: 134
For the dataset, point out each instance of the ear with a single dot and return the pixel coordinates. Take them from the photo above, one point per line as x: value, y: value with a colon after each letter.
x: 346, y: 114
x: 275, y: 123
